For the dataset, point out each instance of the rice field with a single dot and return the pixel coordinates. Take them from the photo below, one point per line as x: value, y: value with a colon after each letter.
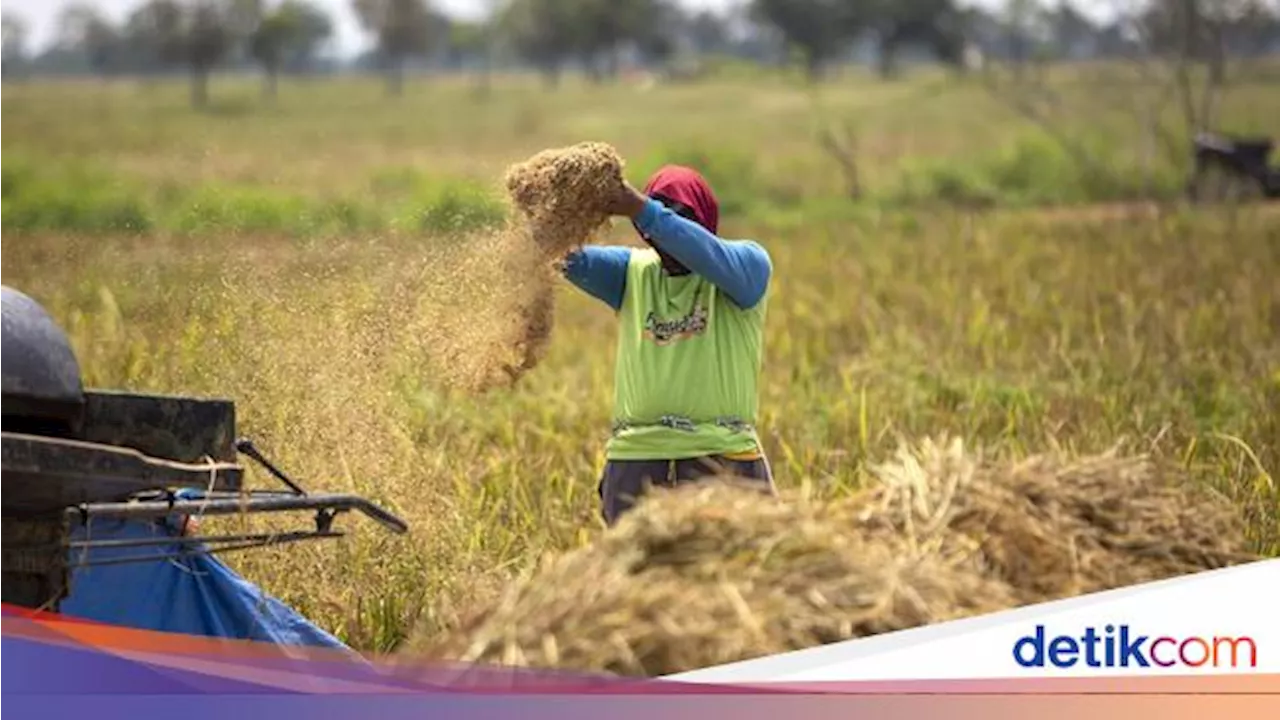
x: 309, y: 259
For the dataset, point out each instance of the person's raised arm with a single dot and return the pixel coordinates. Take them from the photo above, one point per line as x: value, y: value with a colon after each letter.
x: 740, y: 268
x: 599, y: 271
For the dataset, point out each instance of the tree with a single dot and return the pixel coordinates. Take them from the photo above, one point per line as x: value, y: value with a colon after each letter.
x: 468, y: 41
x: 549, y: 33
x: 708, y: 32
x: 603, y: 27
x: 1073, y: 34
x: 83, y: 31
x: 404, y: 29
x: 820, y: 29
x: 206, y: 39
x: 543, y: 33
x: 1253, y: 31
x: 194, y: 34
x: 477, y: 41
x: 155, y: 32
x: 1178, y: 38
x: 288, y: 36
x: 14, y: 41
x: 654, y: 29
x: 1026, y: 28
x: 935, y: 24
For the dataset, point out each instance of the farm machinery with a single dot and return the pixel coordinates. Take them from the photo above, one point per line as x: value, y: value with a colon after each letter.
x: 1228, y: 167
x: 104, y: 490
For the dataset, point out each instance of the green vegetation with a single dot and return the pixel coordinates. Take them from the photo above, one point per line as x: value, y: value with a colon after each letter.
x: 334, y: 157
x: 274, y: 253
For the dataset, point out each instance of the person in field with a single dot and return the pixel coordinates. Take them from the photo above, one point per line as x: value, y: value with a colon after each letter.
x: 691, y: 310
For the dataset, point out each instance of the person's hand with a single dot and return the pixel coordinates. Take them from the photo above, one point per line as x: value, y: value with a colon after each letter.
x: 626, y: 201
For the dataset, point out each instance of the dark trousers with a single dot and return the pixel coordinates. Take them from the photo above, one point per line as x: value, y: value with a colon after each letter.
x: 625, y: 481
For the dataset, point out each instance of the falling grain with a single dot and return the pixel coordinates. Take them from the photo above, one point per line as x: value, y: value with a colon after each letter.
x: 488, y: 308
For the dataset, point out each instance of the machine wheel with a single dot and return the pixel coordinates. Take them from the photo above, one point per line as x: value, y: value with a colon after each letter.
x: 1216, y: 184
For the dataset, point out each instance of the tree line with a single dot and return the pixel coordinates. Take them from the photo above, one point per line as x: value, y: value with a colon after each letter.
x: 599, y: 37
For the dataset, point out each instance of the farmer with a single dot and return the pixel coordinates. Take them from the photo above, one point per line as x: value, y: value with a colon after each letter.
x: 691, y: 309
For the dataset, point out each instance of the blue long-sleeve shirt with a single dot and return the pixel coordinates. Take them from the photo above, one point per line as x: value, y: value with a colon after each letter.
x: 740, y: 268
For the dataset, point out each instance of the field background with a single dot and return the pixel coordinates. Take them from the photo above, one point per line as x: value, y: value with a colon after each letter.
x: 289, y: 255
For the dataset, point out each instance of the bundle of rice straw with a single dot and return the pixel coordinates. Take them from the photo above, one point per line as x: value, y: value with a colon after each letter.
x: 1051, y: 526
x: 711, y: 574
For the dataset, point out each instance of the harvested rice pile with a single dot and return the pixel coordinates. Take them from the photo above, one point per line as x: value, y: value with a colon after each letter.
x: 1051, y: 527
x: 489, y: 306
x: 714, y: 574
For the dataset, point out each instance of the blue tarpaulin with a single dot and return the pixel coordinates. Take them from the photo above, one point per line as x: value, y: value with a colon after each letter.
x: 195, y: 594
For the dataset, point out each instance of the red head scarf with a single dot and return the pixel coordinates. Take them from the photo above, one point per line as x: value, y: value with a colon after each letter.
x: 687, y: 187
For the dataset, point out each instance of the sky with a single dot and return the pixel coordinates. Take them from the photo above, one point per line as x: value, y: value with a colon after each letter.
x: 41, y: 16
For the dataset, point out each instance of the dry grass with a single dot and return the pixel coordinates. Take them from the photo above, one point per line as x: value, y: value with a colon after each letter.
x: 715, y: 573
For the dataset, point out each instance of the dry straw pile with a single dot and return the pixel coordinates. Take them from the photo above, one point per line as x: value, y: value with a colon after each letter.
x: 713, y: 574
x: 1051, y: 527
x: 490, y: 304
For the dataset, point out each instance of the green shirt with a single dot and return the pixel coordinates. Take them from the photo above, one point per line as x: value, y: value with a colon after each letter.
x: 688, y: 367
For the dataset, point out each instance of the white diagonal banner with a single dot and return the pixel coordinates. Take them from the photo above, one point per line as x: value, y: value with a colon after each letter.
x: 1217, y: 622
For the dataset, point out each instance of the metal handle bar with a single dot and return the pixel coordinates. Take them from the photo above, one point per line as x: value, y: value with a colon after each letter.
x: 236, y: 505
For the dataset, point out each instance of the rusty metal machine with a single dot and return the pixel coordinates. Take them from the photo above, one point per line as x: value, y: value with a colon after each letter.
x: 72, y: 455
x: 1227, y: 167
